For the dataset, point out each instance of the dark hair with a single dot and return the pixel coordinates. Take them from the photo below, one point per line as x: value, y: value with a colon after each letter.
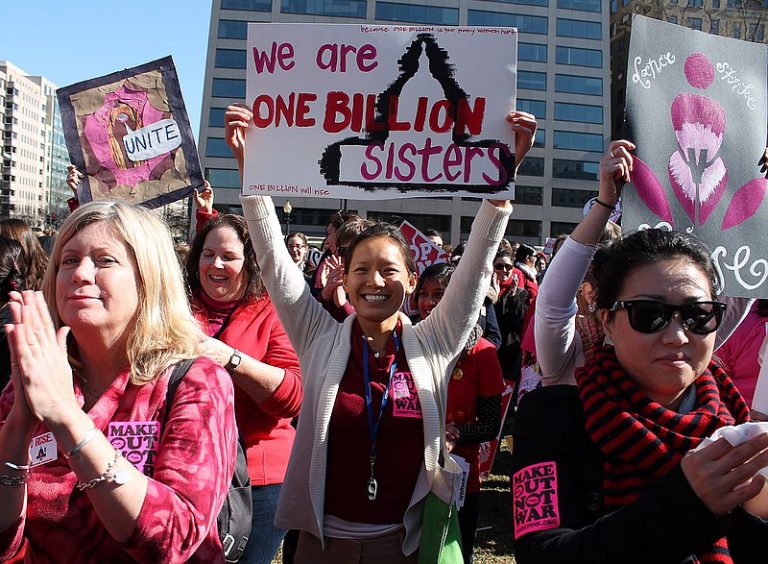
x: 440, y: 271
x: 298, y: 234
x: 338, y: 217
x: 458, y: 250
x: 558, y: 243
x: 502, y: 254
x: 613, y: 263
x: 523, y: 252
x: 12, y: 268
x: 432, y: 233
x: 382, y: 230
x: 255, y: 287
x: 351, y: 228
x: 33, y: 255
x: 762, y: 308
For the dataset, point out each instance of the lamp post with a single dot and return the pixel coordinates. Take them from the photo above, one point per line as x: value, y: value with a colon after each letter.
x: 287, y: 209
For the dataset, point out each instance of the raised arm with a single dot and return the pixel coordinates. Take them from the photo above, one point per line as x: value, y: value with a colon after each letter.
x: 555, y: 319
x: 302, y: 316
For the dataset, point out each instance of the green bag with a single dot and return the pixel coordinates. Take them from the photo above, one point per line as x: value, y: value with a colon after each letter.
x: 440, y: 533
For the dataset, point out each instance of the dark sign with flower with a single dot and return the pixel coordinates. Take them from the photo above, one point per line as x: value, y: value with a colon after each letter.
x: 696, y: 108
x: 129, y: 134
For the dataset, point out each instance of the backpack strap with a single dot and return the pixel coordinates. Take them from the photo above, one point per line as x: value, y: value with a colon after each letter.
x: 177, y: 375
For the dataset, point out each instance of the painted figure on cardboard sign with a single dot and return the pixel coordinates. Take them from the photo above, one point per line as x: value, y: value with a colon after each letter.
x: 697, y: 174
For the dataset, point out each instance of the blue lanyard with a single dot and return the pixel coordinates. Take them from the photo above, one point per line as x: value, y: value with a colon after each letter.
x: 373, y: 428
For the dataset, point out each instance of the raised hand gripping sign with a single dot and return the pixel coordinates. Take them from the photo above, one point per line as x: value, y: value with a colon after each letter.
x: 696, y: 108
x: 380, y: 112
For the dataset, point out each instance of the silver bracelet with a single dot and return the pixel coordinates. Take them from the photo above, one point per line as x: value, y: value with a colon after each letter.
x: 109, y: 475
x: 79, y: 446
x: 19, y: 467
x: 13, y: 481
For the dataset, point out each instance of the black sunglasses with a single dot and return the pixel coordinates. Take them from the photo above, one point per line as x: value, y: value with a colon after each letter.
x: 650, y: 316
x: 502, y: 266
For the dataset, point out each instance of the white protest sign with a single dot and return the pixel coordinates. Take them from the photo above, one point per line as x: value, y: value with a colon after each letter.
x: 152, y: 141
x: 380, y: 112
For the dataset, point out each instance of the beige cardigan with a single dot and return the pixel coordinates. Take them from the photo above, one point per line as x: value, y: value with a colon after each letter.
x: 323, y: 346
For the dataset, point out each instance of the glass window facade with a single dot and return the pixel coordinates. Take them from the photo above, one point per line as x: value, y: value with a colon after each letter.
x: 393, y: 12
x: 544, y: 3
x: 223, y: 177
x: 230, y: 58
x: 569, y: 198
x: 534, y: 52
x: 583, y: 5
x: 576, y: 170
x: 572, y: 84
x: 579, y: 57
x: 232, y: 29
x: 541, y: 138
x: 228, y: 88
x: 247, y: 5
x: 535, y: 107
x: 714, y: 27
x: 532, y: 80
x: 578, y: 112
x: 345, y: 8
x: 557, y: 228
x: 523, y: 228
x: 217, y: 147
x: 578, y: 28
x: 530, y: 195
x: 532, y: 166
x: 694, y: 23
x: 216, y: 117
x: 574, y: 141
x: 526, y: 24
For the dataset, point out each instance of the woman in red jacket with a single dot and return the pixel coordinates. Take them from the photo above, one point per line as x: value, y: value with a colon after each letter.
x: 247, y: 338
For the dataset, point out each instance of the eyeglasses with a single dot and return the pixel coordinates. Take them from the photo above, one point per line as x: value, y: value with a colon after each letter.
x: 504, y: 267
x: 650, y: 316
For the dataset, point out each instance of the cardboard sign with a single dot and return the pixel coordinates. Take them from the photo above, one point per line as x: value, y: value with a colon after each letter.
x: 423, y: 250
x: 129, y: 133
x: 137, y: 441
x: 42, y: 448
x: 380, y: 112
x: 696, y: 108
x: 489, y: 449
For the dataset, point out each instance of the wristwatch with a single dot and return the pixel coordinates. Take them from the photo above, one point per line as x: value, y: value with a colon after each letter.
x: 234, y: 361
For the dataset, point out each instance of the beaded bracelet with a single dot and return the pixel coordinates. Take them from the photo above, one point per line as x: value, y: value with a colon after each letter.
x: 109, y: 475
x: 79, y: 446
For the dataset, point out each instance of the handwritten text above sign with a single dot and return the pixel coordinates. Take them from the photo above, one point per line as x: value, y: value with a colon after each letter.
x: 380, y: 112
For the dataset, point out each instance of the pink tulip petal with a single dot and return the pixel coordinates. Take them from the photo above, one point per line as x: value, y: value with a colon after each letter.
x: 682, y: 184
x: 745, y: 203
x: 651, y: 191
x: 713, y: 183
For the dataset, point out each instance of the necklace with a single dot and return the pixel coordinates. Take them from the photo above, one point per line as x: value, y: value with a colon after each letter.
x: 376, y: 352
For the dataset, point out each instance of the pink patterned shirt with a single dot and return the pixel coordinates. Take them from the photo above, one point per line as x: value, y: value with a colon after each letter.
x: 191, y: 464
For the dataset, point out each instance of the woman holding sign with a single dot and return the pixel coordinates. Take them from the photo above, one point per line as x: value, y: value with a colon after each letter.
x: 94, y: 466
x: 365, y: 460
x: 608, y: 470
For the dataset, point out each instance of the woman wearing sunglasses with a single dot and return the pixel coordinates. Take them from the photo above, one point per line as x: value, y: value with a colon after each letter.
x: 604, y: 471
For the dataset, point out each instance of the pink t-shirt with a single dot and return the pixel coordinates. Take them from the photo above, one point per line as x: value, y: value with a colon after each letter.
x: 740, y: 354
x: 191, y: 464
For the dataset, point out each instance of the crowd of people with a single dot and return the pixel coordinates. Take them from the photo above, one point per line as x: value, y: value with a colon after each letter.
x: 358, y: 389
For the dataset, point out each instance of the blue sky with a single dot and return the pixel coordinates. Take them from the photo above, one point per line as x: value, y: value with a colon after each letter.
x: 69, y: 41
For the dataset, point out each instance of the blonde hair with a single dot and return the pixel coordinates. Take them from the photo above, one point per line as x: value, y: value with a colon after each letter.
x: 165, y: 331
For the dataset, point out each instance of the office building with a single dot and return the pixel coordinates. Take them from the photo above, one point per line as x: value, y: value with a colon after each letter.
x: 563, y: 78
x: 34, y: 156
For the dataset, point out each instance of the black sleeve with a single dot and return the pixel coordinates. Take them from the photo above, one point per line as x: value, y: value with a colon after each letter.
x: 667, y: 523
x: 491, y: 326
x: 486, y: 427
x: 747, y: 537
x: 510, y: 314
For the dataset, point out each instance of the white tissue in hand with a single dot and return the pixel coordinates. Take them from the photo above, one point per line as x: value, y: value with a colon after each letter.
x: 737, y: 434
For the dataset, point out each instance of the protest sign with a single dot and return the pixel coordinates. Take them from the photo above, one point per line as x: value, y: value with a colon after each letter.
x: 423, y: 251
x: 380, y: 112
x: 696, y: 108
x: 129, y: 133
x: 489, y: 449
x: 137, y: 441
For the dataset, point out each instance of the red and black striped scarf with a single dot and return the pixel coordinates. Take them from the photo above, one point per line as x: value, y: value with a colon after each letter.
x: 641, y: 439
